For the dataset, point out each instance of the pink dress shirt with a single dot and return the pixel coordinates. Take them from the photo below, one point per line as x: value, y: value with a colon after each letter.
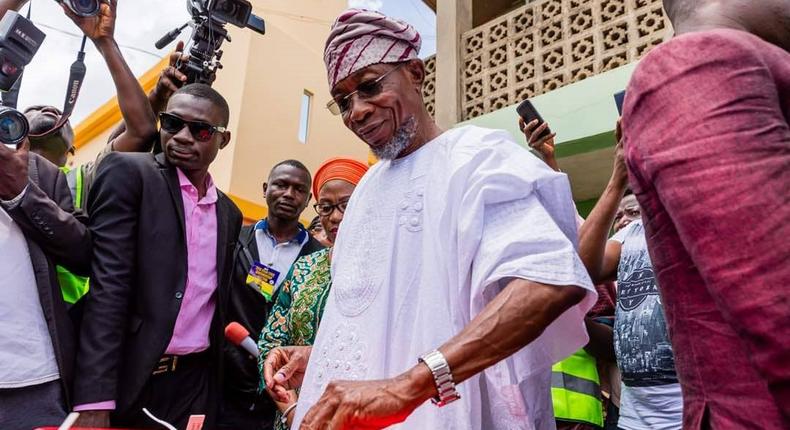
x: 191, y: 332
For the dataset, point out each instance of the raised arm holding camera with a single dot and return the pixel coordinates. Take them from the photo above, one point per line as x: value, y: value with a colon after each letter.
x: 137, y: 114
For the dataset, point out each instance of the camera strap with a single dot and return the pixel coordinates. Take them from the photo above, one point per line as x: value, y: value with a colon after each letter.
x: 76, y: 78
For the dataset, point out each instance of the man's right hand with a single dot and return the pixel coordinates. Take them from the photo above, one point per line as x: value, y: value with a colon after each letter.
x: 543, y: 145
x: 99, y: 27
x: 284, y: 370
x: 13, y: 170
x: 170, y: 80
x: 93, y: 419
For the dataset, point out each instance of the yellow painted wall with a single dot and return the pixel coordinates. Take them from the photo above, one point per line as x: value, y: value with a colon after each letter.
x: 263, y: 80
x: 280, y: 67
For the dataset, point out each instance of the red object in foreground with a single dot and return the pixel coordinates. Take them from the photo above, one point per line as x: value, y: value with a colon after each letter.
x: 236, y: 333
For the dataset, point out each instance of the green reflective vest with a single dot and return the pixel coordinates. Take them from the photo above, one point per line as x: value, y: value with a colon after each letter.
x: 73, y: 287
x: 576, y: 389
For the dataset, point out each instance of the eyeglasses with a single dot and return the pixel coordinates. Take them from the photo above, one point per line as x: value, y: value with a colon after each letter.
x: 200, y: 130
x: 326, y: 210
x: 366, y: 90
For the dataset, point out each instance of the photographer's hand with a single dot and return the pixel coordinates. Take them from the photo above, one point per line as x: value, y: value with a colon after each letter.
x: 13, y: 170
x: 170, y: 80
x: 6, y: 5
x: 99, y: 27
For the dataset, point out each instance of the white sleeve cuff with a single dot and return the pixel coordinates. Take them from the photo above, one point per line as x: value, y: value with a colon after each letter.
x: 11, y: 204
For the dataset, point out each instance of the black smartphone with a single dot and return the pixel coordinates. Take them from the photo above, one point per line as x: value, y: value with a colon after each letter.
x: 618, y: 100
x: 528, y: 113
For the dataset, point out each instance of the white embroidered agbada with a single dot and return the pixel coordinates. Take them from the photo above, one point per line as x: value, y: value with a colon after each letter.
x: 426, y: 242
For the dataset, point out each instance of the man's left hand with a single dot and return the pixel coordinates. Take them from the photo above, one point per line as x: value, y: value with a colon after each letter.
x: 98, y: 27
x: 370, y: 404
x: 13, y: 170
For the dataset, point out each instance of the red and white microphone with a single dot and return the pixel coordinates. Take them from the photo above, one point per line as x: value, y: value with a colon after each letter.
x: 239, y: 336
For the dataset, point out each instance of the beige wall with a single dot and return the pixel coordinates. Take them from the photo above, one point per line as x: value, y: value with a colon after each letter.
x: 280, y: 67
x: 89, y: 151
x: 263, y: 80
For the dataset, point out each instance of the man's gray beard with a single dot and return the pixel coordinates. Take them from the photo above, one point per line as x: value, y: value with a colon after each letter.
x: 399, y: 142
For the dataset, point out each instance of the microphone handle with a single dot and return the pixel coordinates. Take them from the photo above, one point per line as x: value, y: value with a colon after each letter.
x: 250, y: 346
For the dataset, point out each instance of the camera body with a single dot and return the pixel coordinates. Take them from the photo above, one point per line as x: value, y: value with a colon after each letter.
x: 209, y: 20
x: 14, y: 127
x: 19, y: 42
x: 82, y: 7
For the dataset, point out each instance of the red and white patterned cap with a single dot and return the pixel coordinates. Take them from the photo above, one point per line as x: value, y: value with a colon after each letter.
x: 361, y: 38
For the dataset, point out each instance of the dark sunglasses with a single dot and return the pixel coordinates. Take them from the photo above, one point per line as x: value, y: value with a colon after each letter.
x: 200, y: 130
x: 366, y: 90
x: 326, y: 210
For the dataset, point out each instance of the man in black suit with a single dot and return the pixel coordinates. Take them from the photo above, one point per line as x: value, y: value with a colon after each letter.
x: 37, y: 339
x: 273, y: 244
x: 163, y: 238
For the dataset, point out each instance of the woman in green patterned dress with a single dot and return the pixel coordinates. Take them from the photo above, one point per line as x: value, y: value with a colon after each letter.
x: 301, y: 298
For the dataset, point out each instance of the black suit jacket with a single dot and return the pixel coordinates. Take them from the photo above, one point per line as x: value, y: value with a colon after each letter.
x: 54, y: 237
x: 249, y: 308
x: 138, y: 276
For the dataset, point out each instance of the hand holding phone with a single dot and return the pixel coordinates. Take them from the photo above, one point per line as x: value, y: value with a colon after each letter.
x: 528, y: 113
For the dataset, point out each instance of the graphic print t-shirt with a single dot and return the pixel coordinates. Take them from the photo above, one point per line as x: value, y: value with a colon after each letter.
x: 641, y: 340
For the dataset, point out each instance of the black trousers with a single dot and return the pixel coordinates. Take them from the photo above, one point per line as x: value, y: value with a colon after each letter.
x: 243, y: 412
x: 30, y: 407
x: 180, y: 386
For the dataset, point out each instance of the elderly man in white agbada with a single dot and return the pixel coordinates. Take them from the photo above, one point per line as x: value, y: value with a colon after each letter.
x: 455, y: 272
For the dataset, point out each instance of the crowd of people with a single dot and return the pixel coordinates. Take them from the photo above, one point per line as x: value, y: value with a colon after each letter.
x: 456, y: 269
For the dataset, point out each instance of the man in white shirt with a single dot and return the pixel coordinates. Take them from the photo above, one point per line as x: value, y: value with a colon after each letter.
x: 458, y: 249
x: 37, y: 339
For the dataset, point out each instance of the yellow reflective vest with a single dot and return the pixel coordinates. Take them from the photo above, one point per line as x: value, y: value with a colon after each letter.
x: 576, y: 389
x: 73, y: 287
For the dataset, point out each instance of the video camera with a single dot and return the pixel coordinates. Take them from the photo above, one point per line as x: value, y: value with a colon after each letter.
x: 209, y: 18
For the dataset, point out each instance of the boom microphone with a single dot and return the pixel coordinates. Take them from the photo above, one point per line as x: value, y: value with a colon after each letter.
x: 239, y: 336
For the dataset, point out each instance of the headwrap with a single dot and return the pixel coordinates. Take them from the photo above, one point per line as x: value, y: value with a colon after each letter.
x: 346, y: 169
x: 360, y: 38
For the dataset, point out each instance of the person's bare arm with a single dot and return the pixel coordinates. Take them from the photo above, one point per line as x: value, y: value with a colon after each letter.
x: 513, y: 319
x: 135, y: 107
x: 600, y: 255
x: 170, y: 80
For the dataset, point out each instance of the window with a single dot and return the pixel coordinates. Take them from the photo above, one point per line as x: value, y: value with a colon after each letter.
x: 304, y: 116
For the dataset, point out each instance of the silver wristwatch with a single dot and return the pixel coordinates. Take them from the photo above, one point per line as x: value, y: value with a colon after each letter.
x: 442, y: 377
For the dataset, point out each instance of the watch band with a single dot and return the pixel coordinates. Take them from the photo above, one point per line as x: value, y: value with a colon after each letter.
x: 442, y: 377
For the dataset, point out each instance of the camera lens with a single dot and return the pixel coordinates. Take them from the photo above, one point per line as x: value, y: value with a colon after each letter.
x: 84, y: 7
x: 13, y: 126
x: 234, y: 12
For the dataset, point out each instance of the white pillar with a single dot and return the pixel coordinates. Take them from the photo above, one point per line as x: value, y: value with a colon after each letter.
x: 453, y: 18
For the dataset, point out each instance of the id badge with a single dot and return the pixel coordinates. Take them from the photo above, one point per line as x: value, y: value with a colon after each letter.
x: 264, y: 278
